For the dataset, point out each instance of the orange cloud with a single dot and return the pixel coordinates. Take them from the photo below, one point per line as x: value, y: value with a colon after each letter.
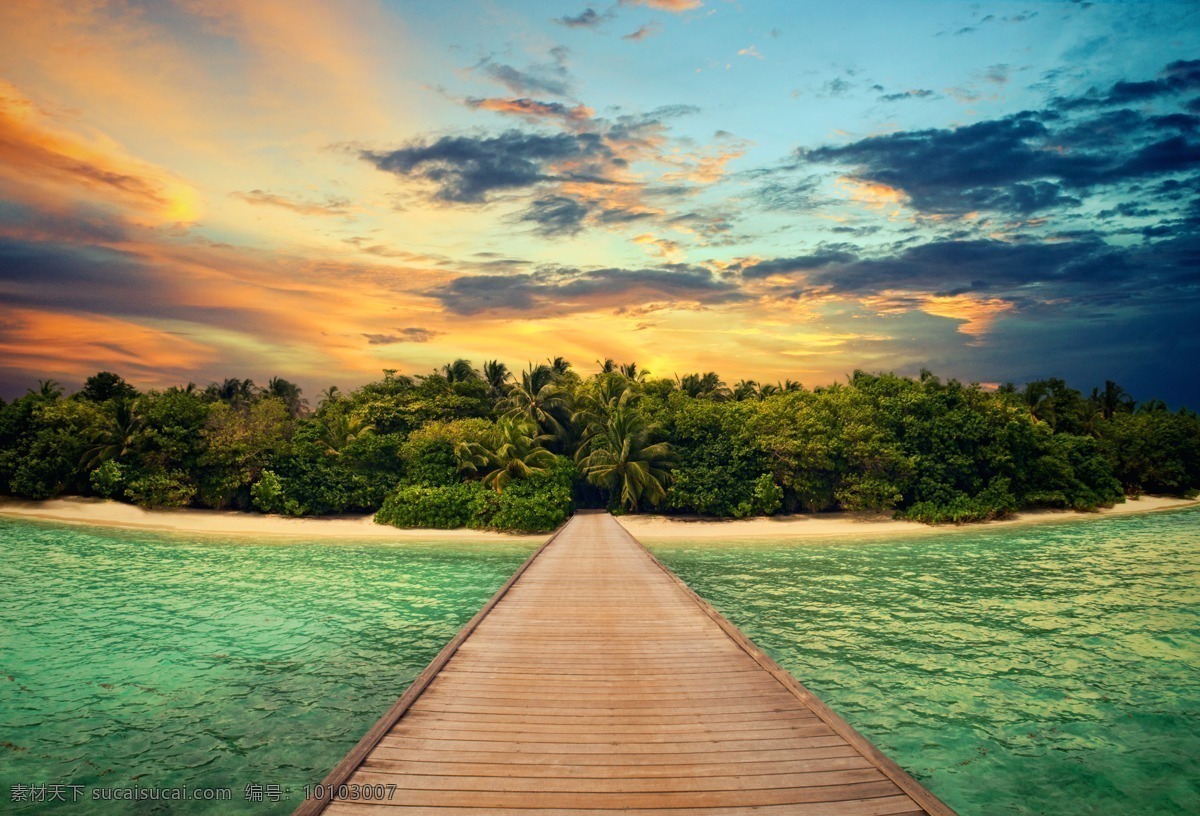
x: 872, y: 194
x: 334, y: 206
x: 534, y: 109
x: 663, y: 248
x: 45, y: 162
x: 75, y: 346
x: 665, y: 5
x: 976, y: 315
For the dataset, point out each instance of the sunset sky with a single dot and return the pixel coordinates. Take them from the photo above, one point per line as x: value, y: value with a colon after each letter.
x: 195, y: 190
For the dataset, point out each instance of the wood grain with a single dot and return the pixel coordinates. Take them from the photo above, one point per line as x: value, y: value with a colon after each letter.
x: 594, y: 682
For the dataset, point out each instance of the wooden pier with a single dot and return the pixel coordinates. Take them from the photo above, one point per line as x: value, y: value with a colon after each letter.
x: 594, y: 682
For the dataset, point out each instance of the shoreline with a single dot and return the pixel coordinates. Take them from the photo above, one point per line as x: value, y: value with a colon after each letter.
x: 842, y: 524
x: 107, y: 513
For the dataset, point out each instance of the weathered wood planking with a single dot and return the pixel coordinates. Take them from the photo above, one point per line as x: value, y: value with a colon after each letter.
x: 595, y: 681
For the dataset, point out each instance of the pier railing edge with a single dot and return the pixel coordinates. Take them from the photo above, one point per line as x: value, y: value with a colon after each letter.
x: 919, y: 793
x: 350, y: 763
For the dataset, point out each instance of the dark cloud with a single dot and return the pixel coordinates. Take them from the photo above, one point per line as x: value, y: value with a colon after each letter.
x: 1024, y: 163
x: 521, y: 82
x: 556, y: 215
x: 646, y: 31
x: 550, y: 77
x: 803, y: 263
x: 837, y: 87
x: 544, y: 171
x: 559, y: 290
x: 63, y: 277
x: 1082, y: 268
x: 466, y: 169
x: 588, y: 18
x: 409, y: 335
x: 992, y: 18
x: 921, y: 93
x: 1179, y: 77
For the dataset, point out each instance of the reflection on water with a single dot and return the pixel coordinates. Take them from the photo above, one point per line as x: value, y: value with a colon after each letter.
x: 1048, y: 669
x: 135, y: 659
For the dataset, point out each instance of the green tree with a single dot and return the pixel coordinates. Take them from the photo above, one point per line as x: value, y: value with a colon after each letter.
x: 240, y: 443
x: 496, y: 374
x: 704, y: 386
x: 104, y: 386
x: 116, y: 436
x: 513, y: 451
x: 537, y: 397
x: 621, y: 456
x: 288, y: 393
x: 459, y: 371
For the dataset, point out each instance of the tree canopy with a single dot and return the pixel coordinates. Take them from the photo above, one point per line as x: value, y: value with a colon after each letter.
x: 494, y: 448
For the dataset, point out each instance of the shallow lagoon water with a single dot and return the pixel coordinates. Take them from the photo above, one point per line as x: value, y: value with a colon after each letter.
x: 1038, y: 669
x: 1042, y: 669
x: 131, y: 659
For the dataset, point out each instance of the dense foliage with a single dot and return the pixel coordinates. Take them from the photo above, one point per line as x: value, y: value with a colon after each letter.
x: 487, y: 449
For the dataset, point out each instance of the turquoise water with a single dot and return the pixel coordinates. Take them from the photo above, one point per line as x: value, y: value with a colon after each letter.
x: 1044, y: 669
x: 140, y: 660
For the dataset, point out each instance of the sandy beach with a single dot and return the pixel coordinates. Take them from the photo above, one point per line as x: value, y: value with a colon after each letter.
x: 100, y: 512
x: 105, y: 513
x: 858, y: 525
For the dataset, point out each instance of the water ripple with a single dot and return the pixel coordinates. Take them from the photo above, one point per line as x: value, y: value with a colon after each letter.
x: 1051, y: 669
x: 135, y: 659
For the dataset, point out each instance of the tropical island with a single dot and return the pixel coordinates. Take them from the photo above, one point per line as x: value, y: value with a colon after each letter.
x: 493, y: 449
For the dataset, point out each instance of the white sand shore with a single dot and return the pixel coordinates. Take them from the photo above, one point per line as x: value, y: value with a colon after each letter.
x: 857, y: 525
x: 103, y: 513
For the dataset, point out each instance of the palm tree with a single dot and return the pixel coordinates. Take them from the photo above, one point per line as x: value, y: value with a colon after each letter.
x: 607, y: 366
x: 287, y: 391
x: 495, y: 374
x: 790, y: 385
x: 459, y: 371
x: 705, y: 386
x: 606, y: 394
x: 767, y: 390
x: 631, y: 371
x: 537, y: 398
x: 560, y: 366
x: 232, y: 390
x: 340, y: 428
x: 1112, y: 400
x: 1038, y: 401
x: 514, y: 451
x: 331, y: 394
x: 116, y: 436
x: 619, y: 455
x: 745, y: 389
x: 48, y: 390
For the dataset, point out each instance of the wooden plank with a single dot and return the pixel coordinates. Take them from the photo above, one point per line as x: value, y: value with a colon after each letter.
x: 407, y: 762
x: 624, y: 800
x: 883, y: 807
x: 742, y: 759
x: 403, y: 776
x: 595, y: 682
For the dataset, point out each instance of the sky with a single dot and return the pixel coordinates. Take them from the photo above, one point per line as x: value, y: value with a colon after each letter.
x: 996, y: 191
